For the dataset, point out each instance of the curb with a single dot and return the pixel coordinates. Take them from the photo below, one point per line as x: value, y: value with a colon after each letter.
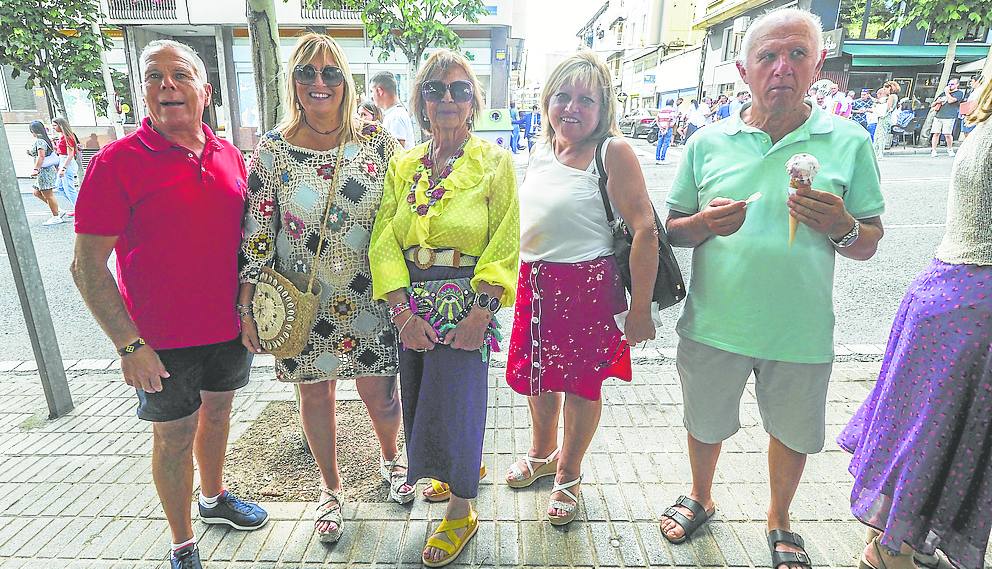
x: 647, y: 355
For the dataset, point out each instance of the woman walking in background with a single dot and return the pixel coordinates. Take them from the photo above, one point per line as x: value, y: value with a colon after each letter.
x: 922, y: 462
x: 885, y: 106
x: 44, y: 173
x: 68, y: 150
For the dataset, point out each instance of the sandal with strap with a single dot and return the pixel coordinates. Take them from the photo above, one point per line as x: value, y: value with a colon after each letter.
x: 519, y: 479
x: 397, y: 480
x: 689, y: 525
x: 330, y: 510
x: 570, y: 509
x: 440, y: 491
x: 938, y: 560
x: 788, y: 558
x: 452, y: 545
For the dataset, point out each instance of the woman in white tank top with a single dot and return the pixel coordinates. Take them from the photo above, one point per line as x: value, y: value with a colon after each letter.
x: 565, y: 338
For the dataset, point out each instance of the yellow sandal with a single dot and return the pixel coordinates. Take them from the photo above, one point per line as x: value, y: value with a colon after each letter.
x: 454, y: 545
x: 440, y: 492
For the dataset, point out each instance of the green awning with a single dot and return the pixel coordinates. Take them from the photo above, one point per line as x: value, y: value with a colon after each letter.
x: 894, y: 61
x: 889, y: 55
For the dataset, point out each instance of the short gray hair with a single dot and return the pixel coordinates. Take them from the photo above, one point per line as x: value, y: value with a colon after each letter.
x: 187, y: 52
x: 779, y: 16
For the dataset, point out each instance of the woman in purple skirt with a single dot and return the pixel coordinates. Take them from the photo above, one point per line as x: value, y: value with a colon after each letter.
x: 922, y: 441
x: 444, y: 254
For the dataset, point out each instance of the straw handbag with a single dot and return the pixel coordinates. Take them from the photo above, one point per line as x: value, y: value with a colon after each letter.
x: 285, y: 304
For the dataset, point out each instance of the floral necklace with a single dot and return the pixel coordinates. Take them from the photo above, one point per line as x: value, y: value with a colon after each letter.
x: 435, y: 191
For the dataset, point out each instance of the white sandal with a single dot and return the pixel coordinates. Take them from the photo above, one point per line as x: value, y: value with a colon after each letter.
x: 329, y: 510
x: 396, y: 480
x: 569, y: 508
x: 520, y: 479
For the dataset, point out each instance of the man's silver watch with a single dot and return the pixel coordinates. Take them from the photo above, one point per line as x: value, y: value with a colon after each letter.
x: 848, y: 239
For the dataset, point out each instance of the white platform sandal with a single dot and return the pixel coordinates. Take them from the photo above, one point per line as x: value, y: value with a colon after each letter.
x: 569, y: 508
x: 520, y: 479
x: 396, y: 480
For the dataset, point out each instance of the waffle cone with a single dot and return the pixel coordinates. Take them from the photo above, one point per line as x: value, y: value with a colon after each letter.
x: 793, y: 222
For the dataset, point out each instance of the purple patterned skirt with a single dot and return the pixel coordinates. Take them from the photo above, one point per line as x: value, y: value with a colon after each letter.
x: 922, y: 440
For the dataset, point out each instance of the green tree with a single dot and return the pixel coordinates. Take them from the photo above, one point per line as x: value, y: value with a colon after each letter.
x: 411, y: 26
x: 950, y: 19
x: 53, y: 42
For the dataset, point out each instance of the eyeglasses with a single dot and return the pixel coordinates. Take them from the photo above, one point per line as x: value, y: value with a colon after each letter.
x: 307, y: 75
x: 461, y: 91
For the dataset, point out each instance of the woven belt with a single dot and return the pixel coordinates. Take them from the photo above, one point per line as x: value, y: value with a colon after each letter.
x: 426, y: 258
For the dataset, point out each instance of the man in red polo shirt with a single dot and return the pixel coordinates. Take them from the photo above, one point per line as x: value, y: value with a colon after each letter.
x: 169, y: 200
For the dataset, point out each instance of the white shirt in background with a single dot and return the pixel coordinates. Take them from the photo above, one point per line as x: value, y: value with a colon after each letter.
x: 397, y: 122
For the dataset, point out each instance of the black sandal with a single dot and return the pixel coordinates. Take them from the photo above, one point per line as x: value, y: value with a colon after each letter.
x: 688, y: 525
x: 788, y: 558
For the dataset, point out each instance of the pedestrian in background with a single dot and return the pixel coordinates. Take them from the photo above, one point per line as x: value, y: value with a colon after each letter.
x: 749, y: 281
x: 68, y: 151
x: 722, y: 108
x: 169, y: 199
x: 532, y: 127
x: 920, y: 441
x: 565, y: 339
x: 514, y: 127
x: 861, y: 111
x: 396, y: 119
x: 444, y: 255
x: 666, y: 125
x: 948, y: 106
x: 738, y: 102
x: 318, y: 177
x: 368, y: 111
x: 45, y: 171
x: 885, y: 108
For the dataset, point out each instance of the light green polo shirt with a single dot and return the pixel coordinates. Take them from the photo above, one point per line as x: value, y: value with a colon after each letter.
x: 750, y: 293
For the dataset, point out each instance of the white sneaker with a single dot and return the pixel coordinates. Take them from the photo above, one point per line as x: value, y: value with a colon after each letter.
x: 933, y: 153
x: 950, y: 152
x: 54, y: 220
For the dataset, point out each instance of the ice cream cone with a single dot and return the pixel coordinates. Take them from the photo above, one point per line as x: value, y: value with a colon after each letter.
x: 793, y: 222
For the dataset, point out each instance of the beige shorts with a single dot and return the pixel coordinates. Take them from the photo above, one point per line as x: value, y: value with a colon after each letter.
x: 792, y: 397
x: 942, y: 126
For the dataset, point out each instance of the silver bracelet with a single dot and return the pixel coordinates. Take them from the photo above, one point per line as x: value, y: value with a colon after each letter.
x: 405, y: 322
x: 244, y: 310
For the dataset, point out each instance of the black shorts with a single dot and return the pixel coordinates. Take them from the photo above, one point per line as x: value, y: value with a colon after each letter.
x: 214, y: 367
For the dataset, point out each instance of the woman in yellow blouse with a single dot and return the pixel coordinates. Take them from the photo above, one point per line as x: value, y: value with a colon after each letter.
x: 444, y: 254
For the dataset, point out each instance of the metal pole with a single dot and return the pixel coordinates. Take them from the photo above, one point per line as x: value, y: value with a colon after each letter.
x: 108, y: 86
x: 30, y: 289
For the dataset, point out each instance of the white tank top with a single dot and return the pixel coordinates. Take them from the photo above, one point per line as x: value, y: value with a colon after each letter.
x: 562, y: 219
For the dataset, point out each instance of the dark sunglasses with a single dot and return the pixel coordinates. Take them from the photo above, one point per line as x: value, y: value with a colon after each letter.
x: 307, y: 75
x: 461, y: 91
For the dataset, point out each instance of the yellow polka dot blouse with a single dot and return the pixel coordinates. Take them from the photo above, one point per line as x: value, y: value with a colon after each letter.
x: 478, y: 215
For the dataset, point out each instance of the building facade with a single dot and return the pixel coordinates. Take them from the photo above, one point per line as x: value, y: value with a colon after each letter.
x: 862, y: 52
x: 218, y: 31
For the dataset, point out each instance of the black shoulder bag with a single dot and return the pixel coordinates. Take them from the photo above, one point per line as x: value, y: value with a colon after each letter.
x: 669, y: 288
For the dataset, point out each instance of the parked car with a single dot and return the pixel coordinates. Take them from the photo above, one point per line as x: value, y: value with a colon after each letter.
x: 638, y: 123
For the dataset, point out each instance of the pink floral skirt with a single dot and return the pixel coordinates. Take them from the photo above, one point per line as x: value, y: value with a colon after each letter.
x: 564, y: 336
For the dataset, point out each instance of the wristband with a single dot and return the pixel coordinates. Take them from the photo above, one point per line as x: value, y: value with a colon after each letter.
x: 398, y: 308
x: 132, y: 347
x: 244, y: 310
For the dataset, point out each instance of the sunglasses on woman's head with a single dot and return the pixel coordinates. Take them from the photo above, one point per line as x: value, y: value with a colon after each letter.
x: 307, y: 75
x: 461, y: 91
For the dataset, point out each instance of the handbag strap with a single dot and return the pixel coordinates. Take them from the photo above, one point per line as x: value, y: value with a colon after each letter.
x: 323, y: 223
x: 601, y: 167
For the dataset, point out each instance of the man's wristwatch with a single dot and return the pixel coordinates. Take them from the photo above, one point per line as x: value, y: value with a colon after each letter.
x: 849, y: 238
x: 132, y: 347
x: 489, y: 303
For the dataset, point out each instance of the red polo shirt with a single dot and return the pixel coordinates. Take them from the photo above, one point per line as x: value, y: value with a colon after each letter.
x: 178, y: 222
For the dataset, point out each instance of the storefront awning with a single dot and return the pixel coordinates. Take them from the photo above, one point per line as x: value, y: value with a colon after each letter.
x: 887, y: 55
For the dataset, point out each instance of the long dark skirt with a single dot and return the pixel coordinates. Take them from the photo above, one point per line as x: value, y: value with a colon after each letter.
x: 922, y: 440
x: 444, y: 393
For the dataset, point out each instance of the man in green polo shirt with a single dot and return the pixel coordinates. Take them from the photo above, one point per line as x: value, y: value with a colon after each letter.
x: 757, y: 304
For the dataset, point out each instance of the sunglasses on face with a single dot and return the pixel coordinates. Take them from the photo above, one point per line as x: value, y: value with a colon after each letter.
x: 461, y: 91
x: 307, y: 75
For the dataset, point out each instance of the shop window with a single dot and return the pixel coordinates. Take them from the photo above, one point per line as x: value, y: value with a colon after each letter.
x: 248, y: 99
x: 20, y: 97
x: 974, y: 34
x: 867, y: 19
x: 926, y: 87
x: 857, y: 81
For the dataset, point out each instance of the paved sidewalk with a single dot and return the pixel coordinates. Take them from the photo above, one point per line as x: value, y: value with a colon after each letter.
x: 76, y: 492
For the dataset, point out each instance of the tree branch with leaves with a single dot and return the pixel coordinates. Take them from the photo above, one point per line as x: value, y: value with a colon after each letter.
x: 53, y: 42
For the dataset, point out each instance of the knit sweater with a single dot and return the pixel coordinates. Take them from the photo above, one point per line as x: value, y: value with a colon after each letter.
x: 968, y: 236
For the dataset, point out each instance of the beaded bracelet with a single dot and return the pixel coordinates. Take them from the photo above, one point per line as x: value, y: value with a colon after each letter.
x: 244, y: 310
x: 398, y: 308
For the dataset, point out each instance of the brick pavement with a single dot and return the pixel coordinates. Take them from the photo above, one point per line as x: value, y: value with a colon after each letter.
x: 76, y: 492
